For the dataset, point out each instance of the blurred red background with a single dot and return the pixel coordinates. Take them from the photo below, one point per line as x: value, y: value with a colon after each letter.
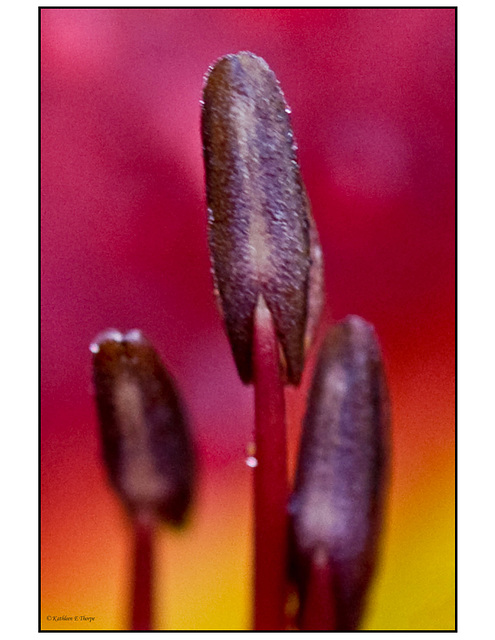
x: 123, y: 235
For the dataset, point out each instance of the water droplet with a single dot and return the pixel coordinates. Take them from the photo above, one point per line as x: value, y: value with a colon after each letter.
x: 134, y: 335
x: 251, y: 461
x: 109, y: 334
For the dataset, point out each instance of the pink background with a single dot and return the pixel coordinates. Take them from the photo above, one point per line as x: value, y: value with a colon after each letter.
x: 123, y: 234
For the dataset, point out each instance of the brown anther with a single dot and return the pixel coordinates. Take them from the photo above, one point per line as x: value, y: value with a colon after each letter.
x: 259, y: 214
x: 337, y: 504
x: 146, y: 442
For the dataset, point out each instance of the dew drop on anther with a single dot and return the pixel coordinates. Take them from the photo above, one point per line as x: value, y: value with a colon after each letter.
x: 135, y: 335
x: 113, y: 335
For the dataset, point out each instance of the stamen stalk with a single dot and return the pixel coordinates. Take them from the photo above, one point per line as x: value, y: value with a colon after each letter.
x: 142, y: 595
x: 270, y: 476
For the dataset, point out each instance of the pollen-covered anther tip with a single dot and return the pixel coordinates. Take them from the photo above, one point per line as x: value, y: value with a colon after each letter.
x: 147, y: 446
x: 339, y: 493
x: 259, y: 226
